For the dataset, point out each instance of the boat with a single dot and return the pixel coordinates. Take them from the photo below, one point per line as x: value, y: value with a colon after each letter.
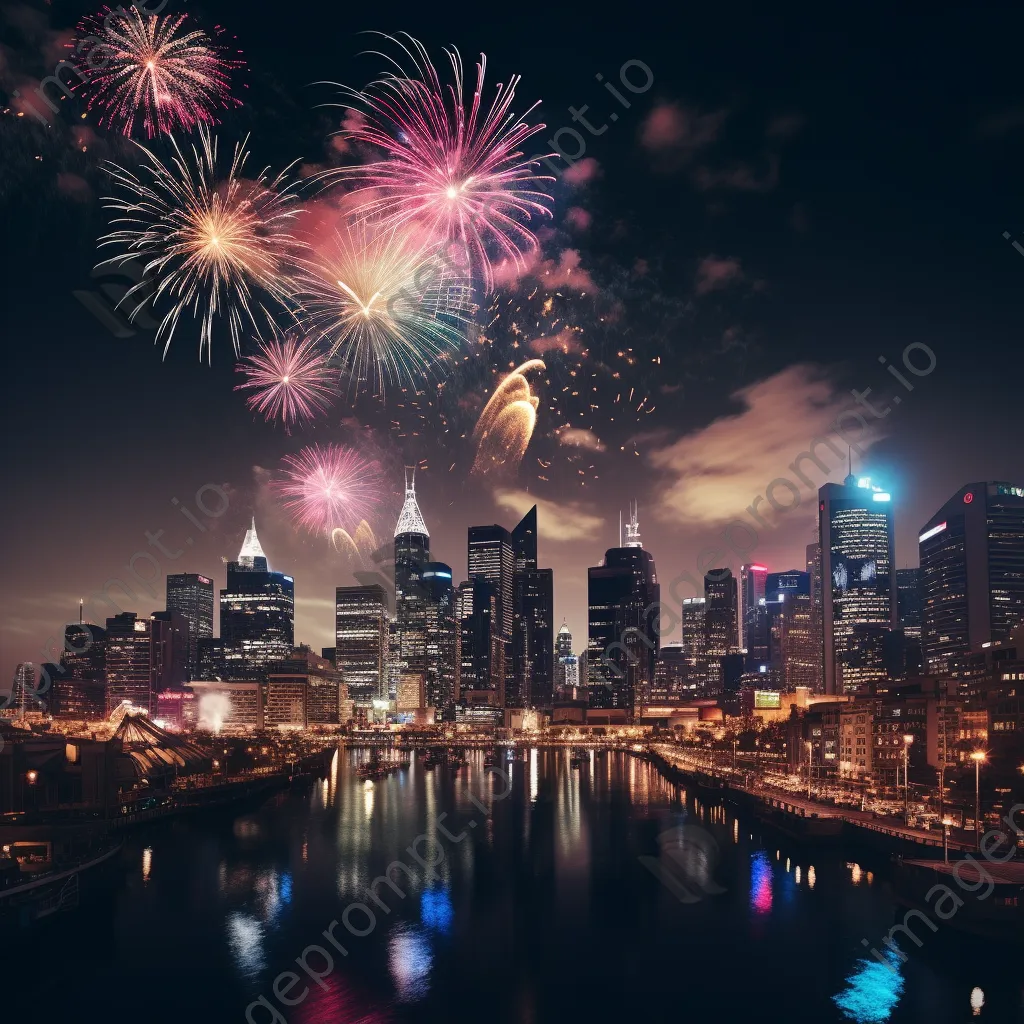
x: 378, y: 769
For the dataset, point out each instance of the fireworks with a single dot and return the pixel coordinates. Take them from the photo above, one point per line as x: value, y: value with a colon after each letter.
x: 289, y: 380
x: 330, y: 487
x: 157, y: 69
x: 212, y: 245
x: 506, y: 425
x: 453, y: 168
x: 386, y: 310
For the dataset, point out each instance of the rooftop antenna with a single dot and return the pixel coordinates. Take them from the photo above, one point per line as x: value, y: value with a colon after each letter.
x: 620, y: 527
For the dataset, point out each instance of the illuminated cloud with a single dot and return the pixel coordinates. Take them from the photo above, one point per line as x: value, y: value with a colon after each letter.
x: 565, y: 272
x: 565, y: 341
x: 577, y: 437
x: 713, y: 474
x: 672, y: 129
x: 714, y: 273
x: 556, y: 520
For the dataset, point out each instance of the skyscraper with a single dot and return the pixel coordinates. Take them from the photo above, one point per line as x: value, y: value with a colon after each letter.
x: 693, y: 636
x: 721, y: 622
x: 80, y: 690
x: 563, y: 649
x: 533, y: 667
x: 361, y: 638
x: 192, y: 596
x: 441, y: 628
x: 972, y: 571
x: 793, y: 655
x: 412, y: 550
x: 491, y: 558
x: 170, y: 638
x: 257, y: 613
x: 813, y: 558
x: 858, y: 583
x: 752, y: 584
x: 623, y: 638
x: 129, y: 662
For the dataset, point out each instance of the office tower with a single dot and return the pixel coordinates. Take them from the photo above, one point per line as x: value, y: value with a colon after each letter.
x: 80, y: 690
x: 412, y: 549
x: 533, y: 668
x: 752, y: 584
x: 793, y: 655
x: 906, y: 650
x: 463, y: 609
x: 482, y: 669
x: 671, y: 673
x: 257, y: 613
x: 972, y: 571
x: 491, y: 558
x: 212, y: 662
x: 171, y: 650
x: 813, y: 565
x: 855, y: 527
x: 192, y: 596
x: 361, y: 642
x: 22, y: 695
x: 623, y: 638
x: 303, y: 690
x: 563, y: 649
x: 129, y: 658
x: 693, y: 637
x: 441, y: 629
x: 721, y: 623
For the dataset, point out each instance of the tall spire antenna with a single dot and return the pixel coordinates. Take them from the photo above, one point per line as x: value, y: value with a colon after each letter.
x: 81, y: 609
x: 849, y: 455
x: 620, y: 527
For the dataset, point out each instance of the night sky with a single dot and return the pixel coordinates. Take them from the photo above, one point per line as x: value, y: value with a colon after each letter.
x: 795, y: 196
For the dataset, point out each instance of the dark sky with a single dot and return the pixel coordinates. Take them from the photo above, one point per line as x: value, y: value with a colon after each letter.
x: 796, y: 195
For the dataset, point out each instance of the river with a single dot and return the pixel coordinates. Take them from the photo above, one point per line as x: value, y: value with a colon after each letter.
x: 595, y: 893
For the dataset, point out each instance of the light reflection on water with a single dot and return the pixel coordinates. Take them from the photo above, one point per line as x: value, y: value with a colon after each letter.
x: 410, y: 960
x: 761, y: 883
x: 245, y: 940
x: 872, y: 990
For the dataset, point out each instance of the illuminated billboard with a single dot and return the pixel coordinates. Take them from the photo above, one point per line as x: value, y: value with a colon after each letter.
x: 767, y: 699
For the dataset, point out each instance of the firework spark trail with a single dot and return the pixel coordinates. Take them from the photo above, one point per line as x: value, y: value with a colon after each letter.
x: 211, y: 244
x: 330, y: 487
x: 454, y: 168
x: 375, y: 299
x: 506, y: 425
x: 289, y: 379
x: 153, y: 68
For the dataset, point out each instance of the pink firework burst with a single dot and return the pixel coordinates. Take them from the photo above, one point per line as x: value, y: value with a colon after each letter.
x: 158, y: 69
x: 330, y: 486
x: 289, y: 381
x: 453, y: 167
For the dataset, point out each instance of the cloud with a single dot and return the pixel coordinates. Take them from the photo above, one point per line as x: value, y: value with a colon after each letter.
x: 714, y: 273
x: 671, y: 129
x: 740, y: 177
x: 74, y: 187
x: 577, y: 437
x: 582, y: 171
x: 578, y: 218
x: 556, y: 520
x: 713, y: 474
x: 565, y: 341
x: 565, y: 272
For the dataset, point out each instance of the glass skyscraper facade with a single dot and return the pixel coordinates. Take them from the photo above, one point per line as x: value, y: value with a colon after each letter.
x: 361, y: 642
x: 191, y: 594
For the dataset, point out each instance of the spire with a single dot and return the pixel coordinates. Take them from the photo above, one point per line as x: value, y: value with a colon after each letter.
x: 851, y: 479
x: 633, y: 528
x: 250, y: 547
x: 411, y: 519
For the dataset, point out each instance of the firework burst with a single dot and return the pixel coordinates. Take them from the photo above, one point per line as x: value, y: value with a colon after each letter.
x: 383, y: 305
x: 150, y: 68
x: 289, y: 380
x: 213, y: 245
x: 451, y: 166
x: 330, y: 488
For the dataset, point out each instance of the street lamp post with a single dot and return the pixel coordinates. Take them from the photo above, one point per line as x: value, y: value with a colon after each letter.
x: 735, y: 743
x: 977, y: 756
x: 946, y: 822
x: 907, y: 740
x: 810, y: 755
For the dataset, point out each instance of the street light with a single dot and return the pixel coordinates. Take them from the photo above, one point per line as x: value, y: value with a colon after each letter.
x: 946, y: 822
x: 977, y: 756
x: 810, y: 754
x: 907, y: 740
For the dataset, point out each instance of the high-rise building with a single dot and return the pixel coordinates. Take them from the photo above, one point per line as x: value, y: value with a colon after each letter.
x: 171, y: 649
x: 129, y: 661
x: 192, y: 595
x: 752, y: 584
x: 80, y: 690
x: 793, y: 655
x: 22, y: 696
x: 623, y: 635
x: 412, y: 550
x: 491, y: 557
x: 533, y: 668
x: 257, y: 613
x: 813, y: 565
x: 482, y: 677
x: 855, y: 526
x: 972, y: 571
x: 694, y: 641
x: 441, y: 629
x: 721, y: 622
x: 463, y: 610
x: 303, y: 690
x: 671, y: 680
x: 563, y: 649
x: 361, y: 639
